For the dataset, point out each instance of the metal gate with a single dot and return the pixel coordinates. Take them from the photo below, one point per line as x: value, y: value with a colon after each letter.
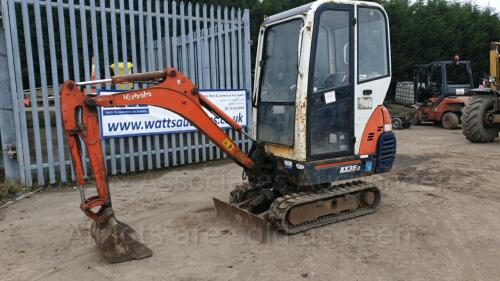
x: 48, y: 42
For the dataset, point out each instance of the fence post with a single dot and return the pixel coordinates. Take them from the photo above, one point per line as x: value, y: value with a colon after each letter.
x: 247, y: 71
x: 7, y: 112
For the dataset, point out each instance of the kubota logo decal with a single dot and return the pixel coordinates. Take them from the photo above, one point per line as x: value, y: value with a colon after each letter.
x: 350, y: 169
x: 137, y: 96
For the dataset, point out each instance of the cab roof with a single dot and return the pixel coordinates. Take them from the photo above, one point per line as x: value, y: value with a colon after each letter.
x: 305, y: 8
x: 286, y: 14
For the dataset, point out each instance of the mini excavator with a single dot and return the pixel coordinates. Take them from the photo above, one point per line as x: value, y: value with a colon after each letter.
x: 321, y: 76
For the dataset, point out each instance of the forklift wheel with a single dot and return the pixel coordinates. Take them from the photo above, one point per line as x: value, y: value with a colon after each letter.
x: 414, y: 115
x: 397, y: 124
x: 450, y: 121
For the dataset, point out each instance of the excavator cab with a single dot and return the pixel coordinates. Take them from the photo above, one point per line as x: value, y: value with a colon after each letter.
x: 322, y: 73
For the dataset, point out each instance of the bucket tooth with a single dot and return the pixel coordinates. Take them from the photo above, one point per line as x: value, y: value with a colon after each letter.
x: 117, y: 241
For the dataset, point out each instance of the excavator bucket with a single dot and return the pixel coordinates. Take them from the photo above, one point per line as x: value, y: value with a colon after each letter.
x: 256, y: 226
x: 117, y: 241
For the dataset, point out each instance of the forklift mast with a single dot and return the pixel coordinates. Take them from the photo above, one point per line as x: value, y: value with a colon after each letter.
x: 495, y: 66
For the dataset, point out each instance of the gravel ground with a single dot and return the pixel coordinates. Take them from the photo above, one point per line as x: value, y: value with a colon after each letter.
x: 438, y: 221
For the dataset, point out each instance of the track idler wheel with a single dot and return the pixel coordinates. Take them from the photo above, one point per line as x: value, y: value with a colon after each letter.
x: 117, y: 241
x: 367, y: 198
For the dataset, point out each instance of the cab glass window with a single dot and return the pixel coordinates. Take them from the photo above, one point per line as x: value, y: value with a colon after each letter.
x: 458, y: 74
x: 280, y: 62
x: 373, y: 60
x: 276, y: 109
x: 331, y: 66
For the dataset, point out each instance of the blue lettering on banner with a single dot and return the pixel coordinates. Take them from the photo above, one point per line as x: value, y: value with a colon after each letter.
x: 149, y: 120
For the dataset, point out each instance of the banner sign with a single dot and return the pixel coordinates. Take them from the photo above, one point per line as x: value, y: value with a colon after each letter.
x: 117, y: 122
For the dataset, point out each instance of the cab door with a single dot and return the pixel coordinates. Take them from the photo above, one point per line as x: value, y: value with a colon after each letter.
x: 278, y: 83
x: 330, y: 119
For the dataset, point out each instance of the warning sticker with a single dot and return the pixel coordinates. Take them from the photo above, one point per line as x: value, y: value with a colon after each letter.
x: 227, y: 143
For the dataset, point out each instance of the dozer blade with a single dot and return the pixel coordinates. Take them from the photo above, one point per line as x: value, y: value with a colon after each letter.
x: 117, y: 241
x: 255, y: 226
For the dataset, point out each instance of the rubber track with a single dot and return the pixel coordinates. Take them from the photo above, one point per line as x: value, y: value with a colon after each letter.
x: 472, y: 122
x: 280, y: 208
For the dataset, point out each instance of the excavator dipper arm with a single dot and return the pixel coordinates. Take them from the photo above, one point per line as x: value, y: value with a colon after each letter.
x: 174, y: 92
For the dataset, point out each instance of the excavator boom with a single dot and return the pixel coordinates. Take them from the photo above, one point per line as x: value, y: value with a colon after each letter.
x: 174, y: 92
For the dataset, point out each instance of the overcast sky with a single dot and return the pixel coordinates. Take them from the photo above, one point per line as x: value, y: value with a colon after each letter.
x: 485, y: 3
x: 495, y: 4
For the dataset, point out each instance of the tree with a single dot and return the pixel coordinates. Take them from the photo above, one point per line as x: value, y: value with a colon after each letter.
x: 437, y: 30
x: 421, y: 31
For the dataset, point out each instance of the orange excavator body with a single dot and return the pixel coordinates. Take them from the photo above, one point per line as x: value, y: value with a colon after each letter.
x: 317, y: 121
x: 256, y: 203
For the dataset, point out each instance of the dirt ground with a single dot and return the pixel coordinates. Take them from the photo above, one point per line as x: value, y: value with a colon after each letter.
x: 439, y: 220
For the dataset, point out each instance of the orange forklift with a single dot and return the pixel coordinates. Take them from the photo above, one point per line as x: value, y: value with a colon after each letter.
x: 442, y: 89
